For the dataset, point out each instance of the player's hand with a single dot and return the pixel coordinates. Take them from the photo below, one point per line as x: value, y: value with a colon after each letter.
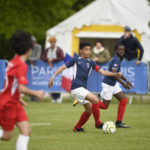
x: 95, y: 59
x: 126, y: 86
x: 40, y: 94
x: 129, y: 84
x: 138, y: 62
x: 23, y: 103
x: 50, y: 83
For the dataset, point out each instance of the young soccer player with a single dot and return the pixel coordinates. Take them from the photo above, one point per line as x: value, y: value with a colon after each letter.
x: 110, y: 86
x: 11, y: 109
x: 82, y: 66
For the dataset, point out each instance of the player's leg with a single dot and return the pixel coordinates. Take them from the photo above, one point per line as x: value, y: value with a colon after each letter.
x: 95, y: 109
x: 5, y: 135
x: 84, y: 117
x: 106, y: 95
x: 24, y: 127
x: 7, y: 122
x: 83, y: 96
x: 104, y: 104
x: 92, y: 98
x: 23, y: 138
x: 121, y: 107
x: 80, y: 94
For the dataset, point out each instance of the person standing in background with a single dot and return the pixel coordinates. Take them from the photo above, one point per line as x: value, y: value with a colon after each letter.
x: 36, y: 52
x: 53, y: 54
x: 35, y: 56
x: 131, y: 46
x: 100, y: 54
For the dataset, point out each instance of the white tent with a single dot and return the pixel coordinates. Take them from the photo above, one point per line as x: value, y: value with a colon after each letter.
x: 104, y: 19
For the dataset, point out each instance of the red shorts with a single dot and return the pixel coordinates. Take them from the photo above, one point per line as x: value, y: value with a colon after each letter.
x: 10, y: 116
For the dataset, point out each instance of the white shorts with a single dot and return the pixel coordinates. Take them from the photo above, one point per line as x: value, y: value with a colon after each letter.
x: 80, y: 94
x: 108, y: 91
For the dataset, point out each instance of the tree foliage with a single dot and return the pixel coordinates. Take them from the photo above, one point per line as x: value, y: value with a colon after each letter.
x: 34, y: 16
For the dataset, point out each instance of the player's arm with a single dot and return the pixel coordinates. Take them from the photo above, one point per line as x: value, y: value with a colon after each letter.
x: 22, y: 81
x: 50, y: 83
x: 125, y: 85
x: 128, y: 82
x: 107, y: 73
x: 23, y: 103
x: 23, y: 89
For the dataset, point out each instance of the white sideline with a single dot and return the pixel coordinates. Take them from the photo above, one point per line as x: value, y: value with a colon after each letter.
x: 40, y: 124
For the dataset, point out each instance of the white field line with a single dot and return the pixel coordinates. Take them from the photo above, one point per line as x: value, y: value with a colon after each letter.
x: 40, y: 124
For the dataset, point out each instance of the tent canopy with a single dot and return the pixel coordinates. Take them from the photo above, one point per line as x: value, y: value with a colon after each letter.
x: 104, y: 19
x: 134, y: 13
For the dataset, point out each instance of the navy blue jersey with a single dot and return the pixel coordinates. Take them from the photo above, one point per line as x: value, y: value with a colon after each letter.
x: 115, y: 63
x: 81, y: 70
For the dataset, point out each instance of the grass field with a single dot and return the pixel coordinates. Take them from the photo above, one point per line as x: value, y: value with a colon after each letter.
x: 60, y: 118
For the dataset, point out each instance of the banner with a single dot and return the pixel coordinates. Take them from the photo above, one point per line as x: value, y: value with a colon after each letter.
x: 137, y: 75
x: 39, y: 74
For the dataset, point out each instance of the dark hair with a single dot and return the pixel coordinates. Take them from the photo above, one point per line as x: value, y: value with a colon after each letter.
x: 99, y: 41
x: 119, y: 44
x: 83, y: 44
x: 21, y: 42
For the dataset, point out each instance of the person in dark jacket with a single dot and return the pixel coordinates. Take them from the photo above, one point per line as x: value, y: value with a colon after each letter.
x: 50, y: 55
x: 131, y: 46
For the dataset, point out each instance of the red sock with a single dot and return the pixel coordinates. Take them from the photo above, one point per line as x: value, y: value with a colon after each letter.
x: 83, y: 119
x: 96, y: 113
x: 121, y: 109
x: 102, y: 105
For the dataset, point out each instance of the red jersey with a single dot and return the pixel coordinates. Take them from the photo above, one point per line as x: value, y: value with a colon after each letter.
x: 15, y: 75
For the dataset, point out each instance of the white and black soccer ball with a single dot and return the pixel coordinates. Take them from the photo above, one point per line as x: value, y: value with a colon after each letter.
x: 109, y: 127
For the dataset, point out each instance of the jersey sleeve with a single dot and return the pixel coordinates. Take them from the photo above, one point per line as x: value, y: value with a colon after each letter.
x: 70, y: 63
x: 116, y: 63
x: 21, y: 74
x: 95, y: 66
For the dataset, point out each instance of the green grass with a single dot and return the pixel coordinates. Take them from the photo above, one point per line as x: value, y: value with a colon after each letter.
x: 59, y: 136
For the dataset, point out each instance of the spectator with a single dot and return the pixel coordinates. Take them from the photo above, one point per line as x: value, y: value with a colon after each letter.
x: 100, y: 54
x: 36, y: 52
x: 35, y: 56
x: 131, y: 46
x: 53, y: 54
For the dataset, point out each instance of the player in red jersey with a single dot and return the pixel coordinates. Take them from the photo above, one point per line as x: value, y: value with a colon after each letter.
x: 11, y: 110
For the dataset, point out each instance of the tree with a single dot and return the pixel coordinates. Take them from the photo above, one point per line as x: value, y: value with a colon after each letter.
x: 34, y: 16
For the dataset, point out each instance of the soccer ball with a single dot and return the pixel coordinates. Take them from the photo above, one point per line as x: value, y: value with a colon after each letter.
x: 109, y: 127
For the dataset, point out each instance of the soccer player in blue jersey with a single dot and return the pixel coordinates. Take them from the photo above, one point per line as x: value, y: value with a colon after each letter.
x: 110, y: 87
x: 82, y: 66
